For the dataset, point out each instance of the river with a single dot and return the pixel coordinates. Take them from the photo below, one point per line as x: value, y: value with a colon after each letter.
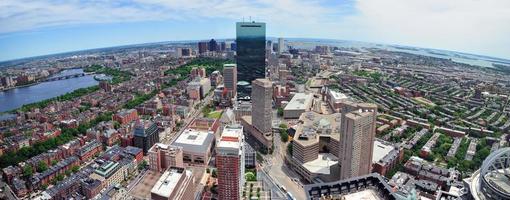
x: 15, y: 98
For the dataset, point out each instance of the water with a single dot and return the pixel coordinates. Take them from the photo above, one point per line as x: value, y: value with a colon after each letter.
x: 15, y: 98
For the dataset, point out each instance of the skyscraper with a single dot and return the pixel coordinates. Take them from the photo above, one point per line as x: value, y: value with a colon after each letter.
x: 261, y: 96
x: 357, y: 138
x: 281, y: 45
x: 269, y: 46
x: 202, y: 47
x: 213, y: 45
x: 251, y: 52
x: 230, y: 78
x: 230, y: 162
x: 145, y: 135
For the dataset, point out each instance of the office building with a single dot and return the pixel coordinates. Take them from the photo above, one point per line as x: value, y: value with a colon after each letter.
x: 269, y: 47
x: 145, y: 134
x: 262, y: 100
x: 230, y: 78
x: 183, y: 52
x: 197, y: 72
x: 162, y: 156
x: 281, y: 45
x: 251, y: 53
x: 110, y: 173
x: 213, y: 45
x: 230, y: 162
x: 299, y: 104
x: 196, y: 145
x: 357, y: 137
x: 315, y: 146
x: 174, y: 184
x: 202, y: 47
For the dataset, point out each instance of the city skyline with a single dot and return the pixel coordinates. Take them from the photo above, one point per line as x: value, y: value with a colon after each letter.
x: 253, y: 117
x: 46, y: 27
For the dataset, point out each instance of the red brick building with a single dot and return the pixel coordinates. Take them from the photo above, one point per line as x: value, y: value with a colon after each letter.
x: 126, y: 116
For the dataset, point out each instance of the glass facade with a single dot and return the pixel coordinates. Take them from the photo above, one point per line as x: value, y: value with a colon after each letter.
x: 251, y: 54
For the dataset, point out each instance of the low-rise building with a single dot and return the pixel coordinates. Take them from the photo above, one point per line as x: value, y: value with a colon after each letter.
x: 385, y: 156
x: 196, y: 145
x: 110, y: 173
x: 299, y: 104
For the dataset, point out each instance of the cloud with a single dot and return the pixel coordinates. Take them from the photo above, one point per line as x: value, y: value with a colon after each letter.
x: 21, y: 15
x: 477, y: 26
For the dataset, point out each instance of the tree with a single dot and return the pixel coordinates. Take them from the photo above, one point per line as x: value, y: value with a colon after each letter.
x: 42, y: 166
x: 289, y: 149
x: 59, y: 177
x: 75, y: 169
x: 54, y: 162
x: 28, y: 171
x: 250, y: 176
x: 142, y: 165
x: 213, y: 173
x: 279, y: 111
x: 284, y: 136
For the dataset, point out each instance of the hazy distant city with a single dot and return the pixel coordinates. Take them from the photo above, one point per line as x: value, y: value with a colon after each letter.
x: 255, y: 118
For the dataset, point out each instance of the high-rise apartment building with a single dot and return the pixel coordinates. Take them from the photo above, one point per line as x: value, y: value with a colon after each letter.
x: 281, y: 45
x: 230, y: 78
x: 261, y: 95
x: 230, y: 162
x: 357, y: 133
x: 145, y: 135
x: 202, y: 47
x: 251, y: 53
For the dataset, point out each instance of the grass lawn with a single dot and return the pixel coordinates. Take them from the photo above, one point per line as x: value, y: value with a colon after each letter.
x: 215, y: 114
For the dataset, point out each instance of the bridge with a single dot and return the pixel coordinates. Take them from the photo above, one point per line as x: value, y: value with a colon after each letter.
x: 65, y: 77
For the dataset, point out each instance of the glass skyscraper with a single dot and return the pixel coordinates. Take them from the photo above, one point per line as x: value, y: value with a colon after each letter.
x: 251, y: 54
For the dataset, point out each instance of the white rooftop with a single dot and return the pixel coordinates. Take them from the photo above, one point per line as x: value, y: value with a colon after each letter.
x: 337, y: 95
x: 380, y: 150
x: 168, y: 182
x: 322, y: 164
x: 300, y: 101
x: 227, y: 140
x: 368, y: 194
x: 194, y: 140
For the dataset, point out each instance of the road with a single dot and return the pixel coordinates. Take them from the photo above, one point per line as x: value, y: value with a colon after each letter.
x: 169, y: 136
x: 276, y: 169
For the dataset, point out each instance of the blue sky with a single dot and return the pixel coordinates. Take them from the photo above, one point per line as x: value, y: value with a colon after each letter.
x: 31, y: 28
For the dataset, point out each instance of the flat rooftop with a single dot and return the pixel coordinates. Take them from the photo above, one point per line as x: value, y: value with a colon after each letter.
x: 318, y: 124
x: 167, y: 183
x: 337, y: 95
x: 380, y: 150
x: 322, y: 164
x: 369, y: 194
x: 300, y: 101
x: 231, y: 137
x: 194, y: 140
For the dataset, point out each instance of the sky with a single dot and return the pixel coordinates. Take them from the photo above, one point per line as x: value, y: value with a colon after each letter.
x: 31, y: 28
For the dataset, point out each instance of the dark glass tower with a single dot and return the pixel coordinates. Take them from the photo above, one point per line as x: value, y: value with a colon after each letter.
x: 251, y: 54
